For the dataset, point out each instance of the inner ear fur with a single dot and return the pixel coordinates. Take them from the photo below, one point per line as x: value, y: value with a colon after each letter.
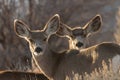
x: 21, y: 29
x: 93, y: 25
x: 52, y: 25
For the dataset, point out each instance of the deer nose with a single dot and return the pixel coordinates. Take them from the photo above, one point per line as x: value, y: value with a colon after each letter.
x: 79, y: 44
x: 38, y: 50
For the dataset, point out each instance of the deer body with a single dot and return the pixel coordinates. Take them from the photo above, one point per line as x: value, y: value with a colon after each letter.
x: 58, y: 66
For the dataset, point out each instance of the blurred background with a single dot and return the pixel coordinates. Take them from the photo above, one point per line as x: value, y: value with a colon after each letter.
x: 14, y: 51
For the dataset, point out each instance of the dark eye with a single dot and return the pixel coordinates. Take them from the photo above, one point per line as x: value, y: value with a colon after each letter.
x: 44, y: 39
x: 79, y: 44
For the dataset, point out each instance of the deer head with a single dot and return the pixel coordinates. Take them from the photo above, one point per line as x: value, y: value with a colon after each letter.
x: 37, y: 39
x: 80, y: 35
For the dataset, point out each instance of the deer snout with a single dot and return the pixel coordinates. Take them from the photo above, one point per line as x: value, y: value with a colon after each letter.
x: 38, y: 50
x: 79, y: 44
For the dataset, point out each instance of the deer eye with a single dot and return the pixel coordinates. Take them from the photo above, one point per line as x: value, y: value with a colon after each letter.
x: 44, y: 39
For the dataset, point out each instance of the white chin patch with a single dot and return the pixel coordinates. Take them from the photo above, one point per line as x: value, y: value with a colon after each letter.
x: 116, y: 63
x: 37, y: 54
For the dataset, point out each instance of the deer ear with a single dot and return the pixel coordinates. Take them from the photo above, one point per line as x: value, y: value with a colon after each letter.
x: 55, y: 43
x: 52, y: 25
x: 21, y: 28
x: 93, y: 25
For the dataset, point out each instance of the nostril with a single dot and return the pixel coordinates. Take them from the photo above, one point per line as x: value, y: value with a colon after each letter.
x: 79, y: 44
x: 38, y: 50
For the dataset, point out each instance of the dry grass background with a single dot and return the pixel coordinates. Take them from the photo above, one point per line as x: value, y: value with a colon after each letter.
x: 104, y: 73
x: 14, y: 52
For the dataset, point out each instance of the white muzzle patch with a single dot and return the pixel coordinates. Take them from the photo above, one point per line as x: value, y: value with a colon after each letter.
x: 38, y: 54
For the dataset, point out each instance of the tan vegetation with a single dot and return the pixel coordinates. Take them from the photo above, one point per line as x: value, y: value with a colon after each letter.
x: 104, y: 73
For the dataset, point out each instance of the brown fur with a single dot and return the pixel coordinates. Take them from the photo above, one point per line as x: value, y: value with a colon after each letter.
x: 14, y: 75
x: 58, y: 66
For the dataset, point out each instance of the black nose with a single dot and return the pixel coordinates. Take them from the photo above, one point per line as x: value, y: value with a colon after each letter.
x: 38, y: 50
x: 79, y: 44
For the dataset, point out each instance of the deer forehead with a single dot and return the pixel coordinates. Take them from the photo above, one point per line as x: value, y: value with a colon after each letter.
x: 37, y: 35
x: 54, y: 38
x: 78, y: 32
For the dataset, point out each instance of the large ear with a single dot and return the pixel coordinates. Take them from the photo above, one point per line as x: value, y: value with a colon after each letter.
x: 52, y: 25
x: 56, y: 44
x: 93, y: 25
x: 21, y: 29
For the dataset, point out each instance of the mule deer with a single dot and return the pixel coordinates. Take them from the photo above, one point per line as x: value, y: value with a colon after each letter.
x: 57, y: 65
x: 80, y: 34
x: 17, y: 75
